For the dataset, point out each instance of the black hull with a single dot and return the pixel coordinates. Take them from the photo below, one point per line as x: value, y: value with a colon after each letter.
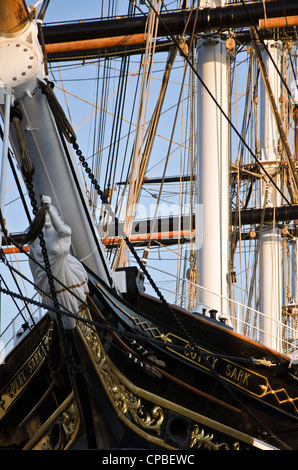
x: 136, y: 380
x: 228, y: 379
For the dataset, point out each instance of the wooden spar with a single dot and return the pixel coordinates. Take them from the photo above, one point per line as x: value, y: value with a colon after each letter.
x: 248, y: 217
x: 201, y: 20
x: 155, y: 236
x: 13, y: 249
x: 112, y: 241
x: 281, y: 22
x: 100, y: 43
x: 14, y: 16
x: 66, y: 41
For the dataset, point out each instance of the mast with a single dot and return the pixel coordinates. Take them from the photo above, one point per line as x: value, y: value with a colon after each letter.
x: 294, y: 245
x: 15, y: 16
x: 270, y: 261
x: 213, y: 193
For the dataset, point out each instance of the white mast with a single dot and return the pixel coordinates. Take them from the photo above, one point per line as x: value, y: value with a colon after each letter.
x: 7, y: 98
x: 213, y: 159
x: 270, y: 254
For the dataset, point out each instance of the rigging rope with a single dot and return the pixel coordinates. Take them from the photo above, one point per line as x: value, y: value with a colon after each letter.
x: 221, y: 110
x: 117, y: 123
x: 137, y: 162
x: 257, y: 31
x: 248, y: 411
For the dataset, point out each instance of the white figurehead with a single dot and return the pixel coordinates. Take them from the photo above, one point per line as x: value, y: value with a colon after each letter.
x: 64, y: 266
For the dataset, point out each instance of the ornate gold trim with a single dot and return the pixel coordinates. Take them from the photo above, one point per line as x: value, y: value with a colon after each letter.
x: 236, y: 375
x: 142, y: 411
x: 67, y: 418
x: 200, y: 440
x: 233, y: 373
x: 130, y: 406
x: 73, y: 286
x: 268, y: 390
x: 21, y: 379
x: 143, y: 324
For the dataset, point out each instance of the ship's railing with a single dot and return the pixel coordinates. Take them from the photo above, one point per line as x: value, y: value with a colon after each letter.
x: 244, y: 320
x: 18, y: 326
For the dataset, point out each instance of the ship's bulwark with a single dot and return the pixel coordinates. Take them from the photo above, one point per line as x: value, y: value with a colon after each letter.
x: 158, y: 399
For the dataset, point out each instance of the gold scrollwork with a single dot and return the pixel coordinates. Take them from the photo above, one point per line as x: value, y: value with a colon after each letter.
x: 12, y: 390
x: 199, y: 439
x: 137, y: 411
x: 131, y: 406
x: 64, y: 428
x: 124, y: 400
x: 90, y: 335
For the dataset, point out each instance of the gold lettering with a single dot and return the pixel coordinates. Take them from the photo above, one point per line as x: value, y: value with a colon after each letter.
x: 245, y: 379
x: 20, y: 379
x: 23, y: 376
x: 35, y: 361
x: 233, y: 374
x: 16, y: 384
x: 30, y: 366
x: 9, y: 393
x: 214, y: 361
x: 238, y: 375
x: 195, y: 356
x: 189, y: 352
x: 228, y: 371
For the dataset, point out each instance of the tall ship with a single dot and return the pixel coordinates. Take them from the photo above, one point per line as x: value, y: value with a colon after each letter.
x: 149, y: 225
